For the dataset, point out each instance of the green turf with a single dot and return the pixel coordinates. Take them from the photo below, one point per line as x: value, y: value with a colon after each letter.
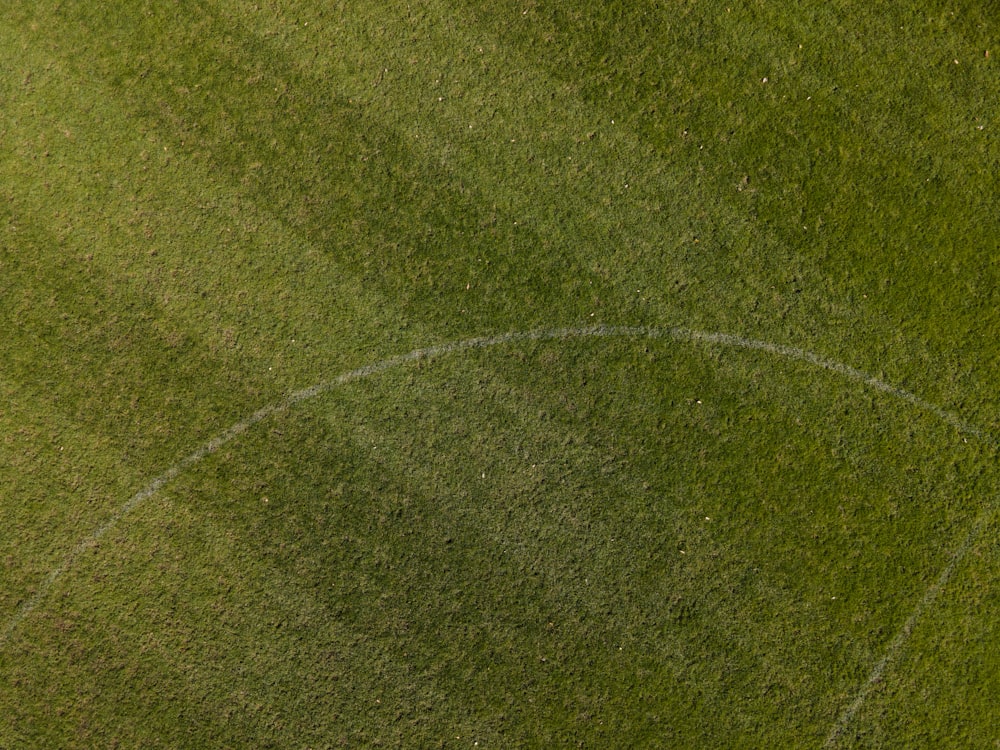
x: 617, y: 541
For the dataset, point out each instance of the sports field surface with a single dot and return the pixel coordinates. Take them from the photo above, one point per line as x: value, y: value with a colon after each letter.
x: 499, y: 374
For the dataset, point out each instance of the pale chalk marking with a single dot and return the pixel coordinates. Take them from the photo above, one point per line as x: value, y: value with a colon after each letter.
x: 678, y: 334
x: 892, y: 652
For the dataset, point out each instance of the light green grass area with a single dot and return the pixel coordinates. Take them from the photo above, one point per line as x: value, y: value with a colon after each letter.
x: 575, y: 540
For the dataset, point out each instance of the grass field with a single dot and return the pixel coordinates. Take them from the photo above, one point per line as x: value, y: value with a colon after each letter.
x: 499, y: 374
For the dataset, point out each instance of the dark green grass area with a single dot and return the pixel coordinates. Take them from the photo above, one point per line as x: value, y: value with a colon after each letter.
x: 958, y: 639
x: 545, y: 546
x: 206, y: 205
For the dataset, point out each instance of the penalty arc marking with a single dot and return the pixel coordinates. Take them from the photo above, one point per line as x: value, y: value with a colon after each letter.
x: 676, y: 334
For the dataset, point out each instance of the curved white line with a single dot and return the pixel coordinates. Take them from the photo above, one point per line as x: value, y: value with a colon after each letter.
x: 678, y: 334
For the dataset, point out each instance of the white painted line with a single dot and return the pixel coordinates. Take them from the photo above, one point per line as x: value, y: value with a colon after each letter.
x: 678, y: 334
x: 892, y: 652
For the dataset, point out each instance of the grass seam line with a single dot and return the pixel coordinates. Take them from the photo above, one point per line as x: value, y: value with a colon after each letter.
x: 30, y: 604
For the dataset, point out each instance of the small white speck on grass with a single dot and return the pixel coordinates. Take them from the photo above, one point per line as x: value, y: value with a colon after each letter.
x: 707, y: 518
x: 763, y: 80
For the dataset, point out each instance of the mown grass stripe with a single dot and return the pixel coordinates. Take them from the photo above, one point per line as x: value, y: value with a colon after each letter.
x: 601, y: 331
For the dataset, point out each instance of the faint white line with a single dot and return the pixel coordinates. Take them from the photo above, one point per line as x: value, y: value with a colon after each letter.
x: 678, y: 334
x: 875, y: 677
x: 854, y: 374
